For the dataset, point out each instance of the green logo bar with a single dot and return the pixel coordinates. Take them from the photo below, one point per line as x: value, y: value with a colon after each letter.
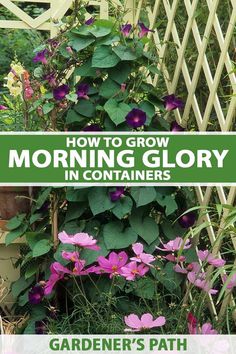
x: 117, y: 158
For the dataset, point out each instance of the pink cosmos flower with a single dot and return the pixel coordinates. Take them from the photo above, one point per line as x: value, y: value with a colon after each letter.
x: 112, y: 265
x: 175, y: 245
x: 208, y: 329
x: 57, y: 273
x: 79, y: 268
x: 192, y: 267
x: 141, y: 257
x: 206, y: 256
x: 199, y: 280
x: 194, y: 329
x: 74, y: 257
x: 136, y: 324
x: 71, y: 256
x: 81, y: 239
x: 231, y: 283
x: 174, y: 259
x: 132, y: 269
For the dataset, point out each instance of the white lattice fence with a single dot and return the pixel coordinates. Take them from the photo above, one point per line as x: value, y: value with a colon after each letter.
x: 199, y: 67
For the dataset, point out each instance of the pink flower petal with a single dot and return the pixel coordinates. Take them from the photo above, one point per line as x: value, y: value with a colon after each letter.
x: 133, y: 321
x: 217, y: 262
x: 160, y: 321
x: 114, y: 259
x: 103, y: 262
x: 147, y: 320
x: 203, y: 255
x: 123, y: 258
x: 178, y: 269
x: 147, y: 258
x: 207, y: 329
x: 137, y: 248
x: 64, y: 238
x: 196, y: 267
x: 192, y: 277
x: 170, y: 257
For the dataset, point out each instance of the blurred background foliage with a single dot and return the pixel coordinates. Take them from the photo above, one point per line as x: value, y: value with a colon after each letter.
x: 20, y: 43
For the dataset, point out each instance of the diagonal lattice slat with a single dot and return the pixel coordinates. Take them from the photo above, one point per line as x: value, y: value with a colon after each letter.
x: 188, y: 73
x: 44, y: 22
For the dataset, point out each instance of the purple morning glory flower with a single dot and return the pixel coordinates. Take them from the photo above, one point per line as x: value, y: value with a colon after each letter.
x: 90, y: 21
x: 172, y: 102
x: 143, y: 30
x: 36, y: 295
x: 187, y: 220
x: 40, y: 57
x: 82, y: 91
x: 53, y: 43
x: 117, y: 194
x: 125, y: 29
x: 40, y: 327
x: 92, y: 128
x: 136, y: 118
x: 3, y: 108
x: 175, y: 127
x: 51, y: 79
x: 60, y: 92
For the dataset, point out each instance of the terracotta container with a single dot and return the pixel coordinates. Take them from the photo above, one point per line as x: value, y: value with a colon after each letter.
x: 13, y: 201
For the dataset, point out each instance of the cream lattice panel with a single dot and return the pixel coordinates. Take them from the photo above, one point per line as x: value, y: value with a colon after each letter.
x: 44, y: 22
x: 214, y: 111
x: 218, y: 110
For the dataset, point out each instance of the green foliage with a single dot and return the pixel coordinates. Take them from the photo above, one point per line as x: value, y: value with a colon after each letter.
x: 116, y: 111
x: 42, y: 247
x: 118, y: 237
x: 15, y: 234
x: 18, y: 43
x: 143, y: 195
x: 99, y: 200
x: 145, y: 226
x: 104, y: 57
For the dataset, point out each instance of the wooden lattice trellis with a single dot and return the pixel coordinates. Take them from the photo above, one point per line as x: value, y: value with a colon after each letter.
x: 219, y: 109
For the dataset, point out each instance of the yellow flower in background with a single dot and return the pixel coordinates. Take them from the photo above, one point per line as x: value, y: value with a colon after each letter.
x: 14, y: 79
x: 17, y: 69
x: 43, y: 90
x: 16, y: 90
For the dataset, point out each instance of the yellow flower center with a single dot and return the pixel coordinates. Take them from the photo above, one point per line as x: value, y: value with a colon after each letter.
x: 134, y: 271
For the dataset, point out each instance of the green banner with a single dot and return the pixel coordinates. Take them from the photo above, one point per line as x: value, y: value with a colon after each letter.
x: 117, y: 159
